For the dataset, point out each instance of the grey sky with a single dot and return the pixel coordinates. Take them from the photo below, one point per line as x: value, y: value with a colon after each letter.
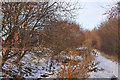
x: 92, y: 13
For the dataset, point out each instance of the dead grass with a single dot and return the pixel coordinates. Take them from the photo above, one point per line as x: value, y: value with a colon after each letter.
x: 113, y: 58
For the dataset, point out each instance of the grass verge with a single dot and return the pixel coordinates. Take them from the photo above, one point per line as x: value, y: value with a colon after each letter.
x: 113, y: 58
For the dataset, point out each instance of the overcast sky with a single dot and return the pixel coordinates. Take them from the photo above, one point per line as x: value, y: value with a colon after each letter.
x: 92, y: 13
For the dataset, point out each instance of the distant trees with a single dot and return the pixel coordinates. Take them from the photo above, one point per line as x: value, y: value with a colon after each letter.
x: 65, y: 35
x: 106, y: 36
x: 108, y: 33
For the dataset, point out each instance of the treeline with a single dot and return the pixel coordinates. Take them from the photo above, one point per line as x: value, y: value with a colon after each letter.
x: 64, y: 35
x: 105, y: 38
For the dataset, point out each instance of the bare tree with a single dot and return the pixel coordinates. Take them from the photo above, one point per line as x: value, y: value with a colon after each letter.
x: 112, y: 11
x: 23, y: 20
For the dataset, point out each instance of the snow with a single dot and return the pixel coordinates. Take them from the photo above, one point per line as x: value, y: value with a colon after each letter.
x: 110, y: 68
x: 82, y: 48
x: 0, y: 53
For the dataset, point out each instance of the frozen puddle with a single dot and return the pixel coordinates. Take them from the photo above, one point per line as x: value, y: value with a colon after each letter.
x: 110, y: 68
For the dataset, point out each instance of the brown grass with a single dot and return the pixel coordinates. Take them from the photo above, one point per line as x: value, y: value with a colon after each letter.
x: 113, y: 58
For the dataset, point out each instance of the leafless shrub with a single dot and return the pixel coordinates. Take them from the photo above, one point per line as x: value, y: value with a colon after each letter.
x: 78, y: 69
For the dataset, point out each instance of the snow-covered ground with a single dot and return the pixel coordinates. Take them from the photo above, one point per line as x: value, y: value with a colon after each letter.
x: 110, y: 68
